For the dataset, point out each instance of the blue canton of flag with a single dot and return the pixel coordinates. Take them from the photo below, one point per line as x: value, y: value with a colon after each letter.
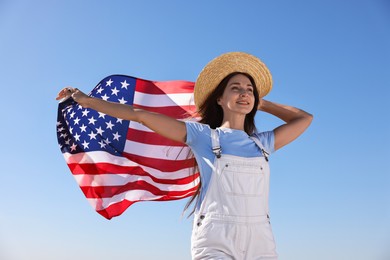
x: 84, y: 130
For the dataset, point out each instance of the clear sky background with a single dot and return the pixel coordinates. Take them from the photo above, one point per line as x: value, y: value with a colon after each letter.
x: 330, y: 192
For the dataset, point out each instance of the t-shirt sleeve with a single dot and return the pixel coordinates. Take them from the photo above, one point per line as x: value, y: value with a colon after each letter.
x: 195, y: 131
x: 267, y: 139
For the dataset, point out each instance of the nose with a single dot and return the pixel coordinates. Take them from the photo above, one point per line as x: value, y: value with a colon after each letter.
x: 243, y: 93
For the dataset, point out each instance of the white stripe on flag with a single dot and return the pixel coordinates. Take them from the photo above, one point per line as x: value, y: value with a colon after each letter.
x: 138, y: 126
x: 162, y: 152
x: 141, y: 127
x: 163, y: 100
x: 85, y: 180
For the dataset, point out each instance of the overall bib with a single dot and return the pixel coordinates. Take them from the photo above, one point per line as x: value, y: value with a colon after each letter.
x: 232, y: 221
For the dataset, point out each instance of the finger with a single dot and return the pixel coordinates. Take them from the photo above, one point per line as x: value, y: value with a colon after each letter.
x: 70, y: 90
x: 61, y: 94
x: 74, y: 91
x: 65, y: 92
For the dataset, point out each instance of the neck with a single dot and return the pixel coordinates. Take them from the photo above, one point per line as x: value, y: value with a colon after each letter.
x: 234, y: 122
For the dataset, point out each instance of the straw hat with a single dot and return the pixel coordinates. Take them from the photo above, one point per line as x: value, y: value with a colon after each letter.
x: 217, y: 69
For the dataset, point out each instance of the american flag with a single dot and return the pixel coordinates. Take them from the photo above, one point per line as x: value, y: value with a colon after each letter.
x: 117, y: 162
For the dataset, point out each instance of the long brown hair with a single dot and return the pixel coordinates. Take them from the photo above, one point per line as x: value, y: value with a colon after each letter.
x: 211, y: 113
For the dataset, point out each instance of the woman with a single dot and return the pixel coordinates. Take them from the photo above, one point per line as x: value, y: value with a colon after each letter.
x: 231, y: 213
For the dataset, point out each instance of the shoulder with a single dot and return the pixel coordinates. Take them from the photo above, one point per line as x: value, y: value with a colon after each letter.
x: 267, y: 139
x: 196, y: 131
x: 197, y: 126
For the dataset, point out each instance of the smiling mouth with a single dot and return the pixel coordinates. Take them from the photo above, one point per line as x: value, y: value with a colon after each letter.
x: 243, y: 102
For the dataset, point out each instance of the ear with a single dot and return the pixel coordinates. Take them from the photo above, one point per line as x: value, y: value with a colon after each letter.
x: 219, y: 101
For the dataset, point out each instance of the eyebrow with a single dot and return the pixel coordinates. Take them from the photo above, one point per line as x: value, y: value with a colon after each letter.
x: 237, y: 83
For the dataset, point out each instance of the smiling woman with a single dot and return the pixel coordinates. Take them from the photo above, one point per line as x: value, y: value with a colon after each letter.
x: 234, y: 190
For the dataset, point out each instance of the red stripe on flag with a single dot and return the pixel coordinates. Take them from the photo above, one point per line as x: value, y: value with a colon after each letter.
x: 150, y: 138
x: 164, y: 87
x: 178, y: 112
x: 163, y: 165
x: 116, y: 209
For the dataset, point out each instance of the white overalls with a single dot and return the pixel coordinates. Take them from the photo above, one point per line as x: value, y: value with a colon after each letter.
x: 232, y: 221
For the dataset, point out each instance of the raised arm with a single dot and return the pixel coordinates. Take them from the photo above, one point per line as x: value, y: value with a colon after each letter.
x: 296, y: 120
x: 161, y: 124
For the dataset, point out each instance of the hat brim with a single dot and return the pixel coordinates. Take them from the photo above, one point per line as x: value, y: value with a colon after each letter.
x: 217, y: 69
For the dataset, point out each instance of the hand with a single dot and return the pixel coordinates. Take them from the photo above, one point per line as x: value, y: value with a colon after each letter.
x: 261, y: 104
x: 75, y: 93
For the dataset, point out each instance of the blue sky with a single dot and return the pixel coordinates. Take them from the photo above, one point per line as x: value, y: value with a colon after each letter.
x: 330, y: 196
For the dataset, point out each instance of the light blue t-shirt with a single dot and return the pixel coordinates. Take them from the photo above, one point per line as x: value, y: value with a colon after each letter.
x: 233, y: 142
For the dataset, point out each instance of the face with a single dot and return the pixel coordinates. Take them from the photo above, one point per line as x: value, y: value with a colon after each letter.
x: 238, y: 96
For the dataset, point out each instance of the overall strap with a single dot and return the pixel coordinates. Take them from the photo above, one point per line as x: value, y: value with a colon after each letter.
x: 215, y: 143
x: 260, y: 145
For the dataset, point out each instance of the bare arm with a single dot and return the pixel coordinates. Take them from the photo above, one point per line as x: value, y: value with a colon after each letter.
x: 161, y: 124
x: 296, y: 120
